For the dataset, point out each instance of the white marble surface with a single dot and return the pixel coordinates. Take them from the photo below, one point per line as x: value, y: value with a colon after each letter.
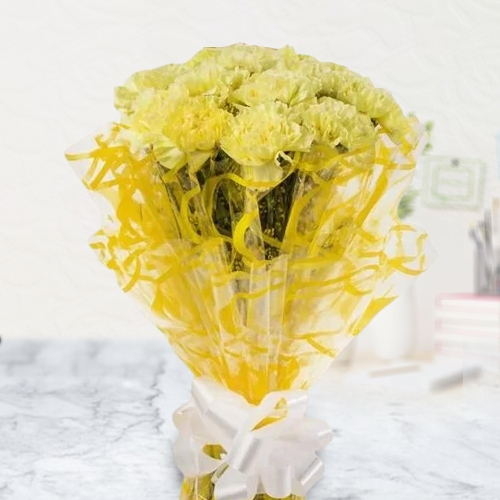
x: 92, y: 421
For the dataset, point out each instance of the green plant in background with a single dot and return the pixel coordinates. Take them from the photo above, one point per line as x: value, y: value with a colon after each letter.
x: 406, y: 205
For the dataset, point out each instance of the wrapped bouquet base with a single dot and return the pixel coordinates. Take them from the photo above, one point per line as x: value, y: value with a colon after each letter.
x: 241, y: 450
x: 249, y: 203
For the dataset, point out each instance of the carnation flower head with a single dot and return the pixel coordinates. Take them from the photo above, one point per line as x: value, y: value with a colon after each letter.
x: 335, y: 123
x: 259, y: 134
x: 160, y: 78
x: 276, y: 85
x: 198, y: 123
x: 253, y: 58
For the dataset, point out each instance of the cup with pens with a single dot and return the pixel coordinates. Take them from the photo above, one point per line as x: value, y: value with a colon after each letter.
x: 486, y: 237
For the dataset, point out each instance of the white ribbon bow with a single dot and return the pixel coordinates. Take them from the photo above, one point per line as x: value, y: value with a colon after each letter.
x: 278, y: 458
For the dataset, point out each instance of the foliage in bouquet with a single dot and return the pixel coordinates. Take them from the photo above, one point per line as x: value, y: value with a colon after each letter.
x: 406, y: 205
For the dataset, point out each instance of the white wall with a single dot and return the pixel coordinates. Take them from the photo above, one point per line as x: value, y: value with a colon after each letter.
x: 59, y: 62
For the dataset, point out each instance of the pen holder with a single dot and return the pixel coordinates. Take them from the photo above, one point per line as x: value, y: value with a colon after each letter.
x: 484, y: 282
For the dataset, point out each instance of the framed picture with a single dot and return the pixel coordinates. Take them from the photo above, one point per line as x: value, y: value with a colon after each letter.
x: 455, y: 183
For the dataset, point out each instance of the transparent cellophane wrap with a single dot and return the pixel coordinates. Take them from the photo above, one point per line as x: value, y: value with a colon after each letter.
x: 252, y: 323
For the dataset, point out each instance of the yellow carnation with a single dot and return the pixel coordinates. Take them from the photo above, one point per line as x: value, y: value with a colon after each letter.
x: 287, y: 58
x: 212, y: 79
x: 159, y: 78
x: 147, y: 119
x: 196, y: 124
x: 332, y: 122
x: 282, y: 85
x: 258, y: 135
x: 351, y: 88
x: 249, y: 57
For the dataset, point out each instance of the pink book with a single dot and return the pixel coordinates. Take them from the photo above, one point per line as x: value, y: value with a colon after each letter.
x: 468, y: 302
x: 467, y: 329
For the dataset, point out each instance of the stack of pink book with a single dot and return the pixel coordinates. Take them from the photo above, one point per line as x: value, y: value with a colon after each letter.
x: 468, y: 326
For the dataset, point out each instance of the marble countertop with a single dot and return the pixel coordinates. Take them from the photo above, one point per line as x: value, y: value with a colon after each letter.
x: 92, y: 421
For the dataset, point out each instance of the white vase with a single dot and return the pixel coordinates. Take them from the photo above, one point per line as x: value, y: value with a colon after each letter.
x: 393, y: 331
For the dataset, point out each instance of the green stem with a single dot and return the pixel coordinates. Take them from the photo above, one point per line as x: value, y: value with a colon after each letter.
x: 203, y: 489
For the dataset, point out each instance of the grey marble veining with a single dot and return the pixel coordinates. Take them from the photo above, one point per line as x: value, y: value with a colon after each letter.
x: 92, y: 421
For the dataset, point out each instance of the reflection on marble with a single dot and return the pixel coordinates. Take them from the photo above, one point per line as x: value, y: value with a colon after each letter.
x: 92, y: 421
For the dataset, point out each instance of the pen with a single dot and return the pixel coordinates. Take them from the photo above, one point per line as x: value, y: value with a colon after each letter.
x: 495, y: 241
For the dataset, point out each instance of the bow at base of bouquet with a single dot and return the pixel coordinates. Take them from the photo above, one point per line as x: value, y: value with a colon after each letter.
x: 229, y: 449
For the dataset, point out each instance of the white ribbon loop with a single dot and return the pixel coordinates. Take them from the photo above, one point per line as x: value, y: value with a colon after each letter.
x: 278, y: 458
x: 278, y: 483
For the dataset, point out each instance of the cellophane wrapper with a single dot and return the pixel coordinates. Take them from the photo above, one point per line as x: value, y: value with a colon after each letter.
x: 252, y: 323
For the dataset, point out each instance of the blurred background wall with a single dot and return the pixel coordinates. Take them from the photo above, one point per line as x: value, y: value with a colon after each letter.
x: 60, y: 61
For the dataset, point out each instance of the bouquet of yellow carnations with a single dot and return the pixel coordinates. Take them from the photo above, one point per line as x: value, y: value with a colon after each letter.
x: 250, y: 203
